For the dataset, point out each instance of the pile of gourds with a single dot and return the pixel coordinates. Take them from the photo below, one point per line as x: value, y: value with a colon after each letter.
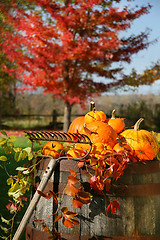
x: 108, y: 136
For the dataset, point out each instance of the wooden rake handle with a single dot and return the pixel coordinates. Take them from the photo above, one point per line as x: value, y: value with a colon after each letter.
x: 46, y: 176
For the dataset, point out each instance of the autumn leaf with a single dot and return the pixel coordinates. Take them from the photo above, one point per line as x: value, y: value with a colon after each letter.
x: 97, y: 184
x: 77, y: 203
x: 71, y: 190
x: 113, y: 206
x: 72, y: 179
x: 49, y: 195
x: 57, y: 218
x: 67, y: 223
x: 45, y: 228
x: 68, y: 218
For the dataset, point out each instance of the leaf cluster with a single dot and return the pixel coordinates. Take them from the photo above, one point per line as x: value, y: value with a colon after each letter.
x: 19, y: 183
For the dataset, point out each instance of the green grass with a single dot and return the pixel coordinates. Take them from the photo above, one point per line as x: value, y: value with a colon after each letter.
x: 4, y: 199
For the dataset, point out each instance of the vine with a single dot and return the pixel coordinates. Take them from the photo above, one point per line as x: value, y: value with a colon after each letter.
x: 19, y: 184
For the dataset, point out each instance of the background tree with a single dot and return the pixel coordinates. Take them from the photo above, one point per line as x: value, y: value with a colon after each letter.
x: 62, y: 45
x: 7, y: 80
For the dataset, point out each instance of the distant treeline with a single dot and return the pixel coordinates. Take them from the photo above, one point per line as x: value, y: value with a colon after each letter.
x: 130, y: 107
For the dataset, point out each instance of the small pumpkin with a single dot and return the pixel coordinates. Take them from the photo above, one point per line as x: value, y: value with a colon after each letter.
x: 77, y: 125
x: 53, y: 148
x: 101, y: 132
x: 116, y: 123
x: 101, y: 149
x: 94, y: 115
x: 122, y: 147
x: 144, y: 144
x: 76, y: 152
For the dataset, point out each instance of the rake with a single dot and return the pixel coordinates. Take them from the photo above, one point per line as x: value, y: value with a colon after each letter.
x: 49, y: 136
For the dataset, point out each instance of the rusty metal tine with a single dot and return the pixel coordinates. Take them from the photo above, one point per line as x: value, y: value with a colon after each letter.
x: 66, y: 135
x: 85, y: 136
x: 59, y: 136
x: 52, y: 135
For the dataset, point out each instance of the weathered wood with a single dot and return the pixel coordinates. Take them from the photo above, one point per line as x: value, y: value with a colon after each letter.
x: 137, y: 218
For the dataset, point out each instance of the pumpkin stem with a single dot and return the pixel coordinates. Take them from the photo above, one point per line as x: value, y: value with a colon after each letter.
x: 136, y: 126
x: 92, y: 106
x: 113, y: 114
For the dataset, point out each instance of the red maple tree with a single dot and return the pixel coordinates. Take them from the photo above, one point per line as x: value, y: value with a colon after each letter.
x: 61, y: 45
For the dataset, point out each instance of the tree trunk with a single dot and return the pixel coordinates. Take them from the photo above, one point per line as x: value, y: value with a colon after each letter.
x: 67, y: 116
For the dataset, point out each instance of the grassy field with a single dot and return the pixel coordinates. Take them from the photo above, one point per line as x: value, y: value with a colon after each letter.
x: 4, y: 199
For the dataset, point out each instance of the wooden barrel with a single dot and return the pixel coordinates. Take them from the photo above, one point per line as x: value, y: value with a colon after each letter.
x: 138, y: 217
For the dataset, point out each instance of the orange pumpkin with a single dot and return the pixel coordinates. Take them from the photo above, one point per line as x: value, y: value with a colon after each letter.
x: 122, y: 147
x: 101, y: 149
x: 116, y: 123
x: 101, y: 132
x: 53, y: 148
x: 76, y: 152
x: 77, y: 125
x: 93, y: 116
x: 144, y: 144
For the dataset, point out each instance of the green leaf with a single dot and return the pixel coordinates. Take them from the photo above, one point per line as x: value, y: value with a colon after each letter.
x: 17, y: 149
x: 29, y: 153
x: 3, y: 158
x: 3, y: 132
x: 15, y: 191
x: 21, y: 169
x: 10, y: 181
x: 27, y: 149
x: 3, y: 141
x: 8, y: 149
x: 3, y: 237
x: 26, y: 172
x: 24, y: 155
x: 6, y: 230
x: 21, y: 155
x: 5, y: 220
x: 12, y: 138
x: 18, y: 156
x: 30, y: 156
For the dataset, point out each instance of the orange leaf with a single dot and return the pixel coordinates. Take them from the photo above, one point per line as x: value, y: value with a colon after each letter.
x: 70, y: 214
x: 48, y: 195
x: 64, y: 209
x: 67, y: 223
x: 57, y: 218
x: 71, y: 190
x: 76, y: 203
x: 72, y: 172
x: 80, y: 164
x: 75, y: 222
x: 84, y: 197
x: 72, y: 179
x: 107, y: 184
x: 45, y: 228
x: 108, y: 173
x: 38, y: 220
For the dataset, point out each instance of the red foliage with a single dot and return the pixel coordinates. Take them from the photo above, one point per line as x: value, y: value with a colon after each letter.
x: 113, y: 206
x: 55, y: 50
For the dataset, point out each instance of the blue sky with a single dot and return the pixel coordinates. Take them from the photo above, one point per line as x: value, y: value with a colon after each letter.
x: 147, y: 57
